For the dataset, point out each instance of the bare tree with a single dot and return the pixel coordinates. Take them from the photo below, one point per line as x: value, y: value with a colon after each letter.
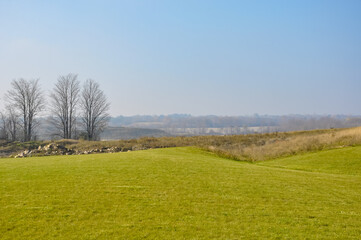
x: 27, y: 100
x: 3, y: 127
x: 10, y: 124
x: 95, y: 108
x: 65, y: 97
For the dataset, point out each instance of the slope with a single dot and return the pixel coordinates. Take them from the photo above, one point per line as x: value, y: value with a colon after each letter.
x: 174, y: 193
x: 338, y: 161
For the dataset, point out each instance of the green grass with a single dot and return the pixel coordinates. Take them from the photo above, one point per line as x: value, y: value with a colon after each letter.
x: 178, y: 193
x: 338, y: 161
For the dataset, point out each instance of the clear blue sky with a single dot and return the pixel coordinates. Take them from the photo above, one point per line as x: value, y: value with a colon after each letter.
x: 197, y: 57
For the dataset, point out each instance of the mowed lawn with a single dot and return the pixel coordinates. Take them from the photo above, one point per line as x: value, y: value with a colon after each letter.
x: 181, y: 193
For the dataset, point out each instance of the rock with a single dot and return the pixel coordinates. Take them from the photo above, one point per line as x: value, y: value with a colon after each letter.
x: 20, y: 155
x: 137, y: 147
x: 47, y: 147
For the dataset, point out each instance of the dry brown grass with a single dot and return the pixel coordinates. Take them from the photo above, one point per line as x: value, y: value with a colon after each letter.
x: 290, y: 144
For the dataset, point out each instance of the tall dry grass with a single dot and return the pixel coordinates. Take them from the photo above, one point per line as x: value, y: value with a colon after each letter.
x: 290, y: 144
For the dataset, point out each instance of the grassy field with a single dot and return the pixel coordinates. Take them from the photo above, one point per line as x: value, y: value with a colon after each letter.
x: 181, y: 193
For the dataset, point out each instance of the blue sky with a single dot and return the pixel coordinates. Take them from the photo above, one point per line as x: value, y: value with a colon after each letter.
x: 197, y: 57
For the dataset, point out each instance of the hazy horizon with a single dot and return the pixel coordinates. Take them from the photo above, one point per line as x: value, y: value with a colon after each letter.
x: 225, y: 58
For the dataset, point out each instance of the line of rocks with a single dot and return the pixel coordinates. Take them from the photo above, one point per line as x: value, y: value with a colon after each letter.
x: 57, y: 149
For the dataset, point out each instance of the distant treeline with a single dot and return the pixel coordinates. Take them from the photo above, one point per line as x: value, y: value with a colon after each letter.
x: 278, y: 123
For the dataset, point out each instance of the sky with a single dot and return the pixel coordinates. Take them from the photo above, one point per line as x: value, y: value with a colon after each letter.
x: 196, y: 57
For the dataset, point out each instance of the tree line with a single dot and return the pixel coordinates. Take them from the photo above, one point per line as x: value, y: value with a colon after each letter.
x: 274, y: 122
x: 76, y: 111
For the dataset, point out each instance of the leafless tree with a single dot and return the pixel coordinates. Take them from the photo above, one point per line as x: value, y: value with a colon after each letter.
x: 95, y: 108
x: 64, y: 101
x: 11, y: 123
x: 3, y: 127
x: 27, y: 100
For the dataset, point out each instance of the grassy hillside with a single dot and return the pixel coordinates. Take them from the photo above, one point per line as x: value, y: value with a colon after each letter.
x: 338, y: 161
x: 179, y: 193
x: 259, y: 147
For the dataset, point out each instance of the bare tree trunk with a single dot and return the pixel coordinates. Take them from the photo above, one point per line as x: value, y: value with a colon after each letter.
x: 94, y: 107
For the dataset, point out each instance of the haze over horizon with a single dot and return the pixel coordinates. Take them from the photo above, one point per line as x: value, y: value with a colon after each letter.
x: 195, y: 57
